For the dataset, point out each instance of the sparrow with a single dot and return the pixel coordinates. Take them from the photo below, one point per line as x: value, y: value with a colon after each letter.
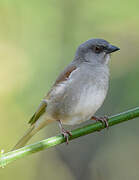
x: 77, y: 93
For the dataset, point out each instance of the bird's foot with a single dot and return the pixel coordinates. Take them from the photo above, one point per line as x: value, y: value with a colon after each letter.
x: 104, y: 120
x: 66, y: 135
x: 64, y: 132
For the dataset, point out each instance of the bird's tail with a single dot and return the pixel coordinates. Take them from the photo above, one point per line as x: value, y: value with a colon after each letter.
x: 31, y: 131
x: 39, y: 124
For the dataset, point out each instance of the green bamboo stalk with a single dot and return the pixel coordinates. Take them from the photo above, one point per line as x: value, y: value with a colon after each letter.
x: 6, y: 158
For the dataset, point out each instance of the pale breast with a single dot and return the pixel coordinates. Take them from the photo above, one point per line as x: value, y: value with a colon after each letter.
x: 82, y: 95
x: 86, y: 106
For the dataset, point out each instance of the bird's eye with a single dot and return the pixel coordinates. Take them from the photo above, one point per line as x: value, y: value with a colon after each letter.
x: 98, y: 49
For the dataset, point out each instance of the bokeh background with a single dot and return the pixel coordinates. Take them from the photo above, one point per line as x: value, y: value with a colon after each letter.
x: 37, y: 40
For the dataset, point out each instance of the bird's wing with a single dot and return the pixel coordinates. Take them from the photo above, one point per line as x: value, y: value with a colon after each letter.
x: 62, y: 77
x: 38, y: 113
x: 65, y: 74
x: 42, y: 107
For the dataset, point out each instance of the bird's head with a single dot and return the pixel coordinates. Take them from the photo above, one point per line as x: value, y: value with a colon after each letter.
x: 95, y: 51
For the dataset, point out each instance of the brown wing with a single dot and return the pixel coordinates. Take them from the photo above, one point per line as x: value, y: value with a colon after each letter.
x: 65, y: 74
x: 41, y: 109
x: 62, y: 77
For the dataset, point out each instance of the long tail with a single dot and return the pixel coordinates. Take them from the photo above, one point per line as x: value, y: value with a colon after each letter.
x: 31, y: 131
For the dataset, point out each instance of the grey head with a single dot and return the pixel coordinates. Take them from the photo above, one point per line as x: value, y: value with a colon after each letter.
x: 95, y: 51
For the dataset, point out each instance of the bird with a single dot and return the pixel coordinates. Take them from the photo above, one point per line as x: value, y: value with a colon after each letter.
x: 78, y: 92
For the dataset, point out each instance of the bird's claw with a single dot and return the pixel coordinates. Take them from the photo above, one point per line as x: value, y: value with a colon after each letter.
x: 66, y: 135
x: 104, y: 120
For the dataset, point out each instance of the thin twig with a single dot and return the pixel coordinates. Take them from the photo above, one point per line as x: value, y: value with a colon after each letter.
x: 6, y: 158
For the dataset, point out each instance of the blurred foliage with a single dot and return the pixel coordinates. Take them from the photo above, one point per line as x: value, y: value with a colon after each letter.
x: 37, y: 39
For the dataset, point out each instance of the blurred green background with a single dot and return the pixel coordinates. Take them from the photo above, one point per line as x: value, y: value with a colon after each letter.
x: 37, y: 40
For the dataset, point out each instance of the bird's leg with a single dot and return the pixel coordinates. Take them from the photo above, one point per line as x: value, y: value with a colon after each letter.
x: 64, y: 132
x: 101, y: 119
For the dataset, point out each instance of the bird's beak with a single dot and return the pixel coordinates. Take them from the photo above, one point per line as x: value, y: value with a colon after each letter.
x: 111, y: 49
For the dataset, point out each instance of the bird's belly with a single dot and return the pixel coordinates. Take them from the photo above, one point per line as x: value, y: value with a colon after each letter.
x: 85, y: 106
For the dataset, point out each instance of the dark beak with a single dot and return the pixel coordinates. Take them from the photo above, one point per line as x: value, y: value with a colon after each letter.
x: 111, y: 49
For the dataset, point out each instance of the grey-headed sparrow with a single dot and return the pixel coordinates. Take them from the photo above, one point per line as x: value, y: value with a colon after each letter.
x: 78, y: 92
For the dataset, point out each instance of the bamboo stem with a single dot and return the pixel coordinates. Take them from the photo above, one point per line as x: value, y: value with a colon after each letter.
x: 6, y: 158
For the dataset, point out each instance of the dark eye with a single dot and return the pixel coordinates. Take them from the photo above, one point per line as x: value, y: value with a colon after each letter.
x: 98, y: 49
